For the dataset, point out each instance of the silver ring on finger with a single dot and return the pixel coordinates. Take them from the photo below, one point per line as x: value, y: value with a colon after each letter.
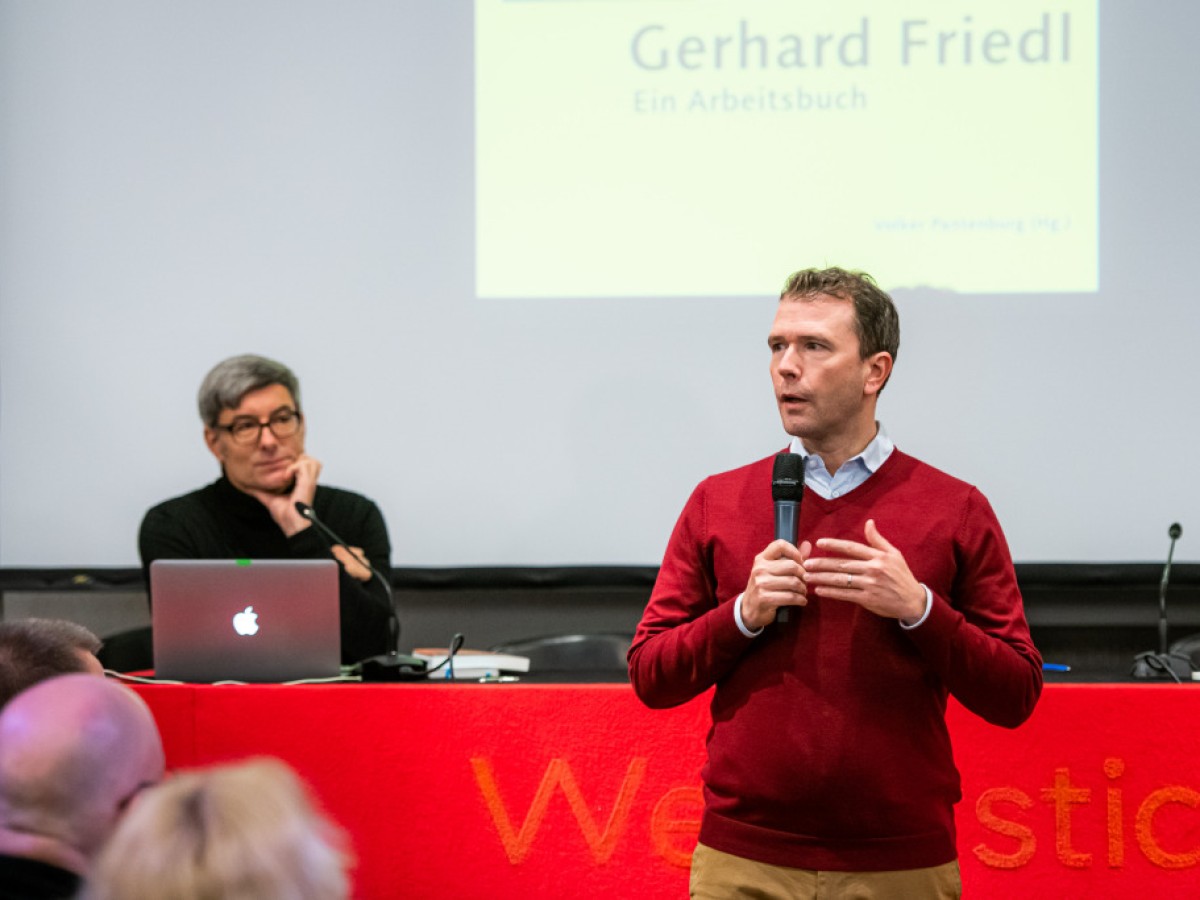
x: 849, y: 579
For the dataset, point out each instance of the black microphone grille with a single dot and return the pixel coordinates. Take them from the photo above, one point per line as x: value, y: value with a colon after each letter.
x: 1174, y: 531
x: 787, y: 479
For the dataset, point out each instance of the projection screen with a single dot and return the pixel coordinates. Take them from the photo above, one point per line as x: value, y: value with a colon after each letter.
x: 524, y: 255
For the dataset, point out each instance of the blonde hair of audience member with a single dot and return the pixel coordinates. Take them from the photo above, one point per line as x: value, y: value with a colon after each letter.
x: 74, y: 751
x: 246, y: 831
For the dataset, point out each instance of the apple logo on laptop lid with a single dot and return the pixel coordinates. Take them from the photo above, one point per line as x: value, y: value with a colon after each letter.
x: 246, y: 622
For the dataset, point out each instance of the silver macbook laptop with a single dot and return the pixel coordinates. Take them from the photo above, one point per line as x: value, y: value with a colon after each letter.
x: 245, y: 620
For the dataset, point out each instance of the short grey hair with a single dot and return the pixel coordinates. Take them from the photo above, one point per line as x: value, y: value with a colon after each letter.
x: 231, y: 380
x: 32, y: 650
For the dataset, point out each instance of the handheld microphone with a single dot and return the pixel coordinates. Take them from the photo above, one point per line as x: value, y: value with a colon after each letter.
x: 787, y: 490
x: 390, y: 666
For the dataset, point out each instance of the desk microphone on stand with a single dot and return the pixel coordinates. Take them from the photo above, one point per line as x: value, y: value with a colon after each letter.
x: 390, y: 666
x: 1163, y: 664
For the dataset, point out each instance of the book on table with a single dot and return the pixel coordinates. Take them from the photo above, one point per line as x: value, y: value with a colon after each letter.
x: 471, y: 664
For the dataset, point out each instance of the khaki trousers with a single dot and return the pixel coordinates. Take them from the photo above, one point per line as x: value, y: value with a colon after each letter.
x: 721, y: 876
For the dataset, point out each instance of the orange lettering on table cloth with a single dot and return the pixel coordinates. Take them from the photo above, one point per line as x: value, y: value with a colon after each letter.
x: 1063, y: 795
x: 1023, y: 834
x: 1144, y: 827
x: 518, y: 843
x: 1114, y: 769
x: 669, y: 827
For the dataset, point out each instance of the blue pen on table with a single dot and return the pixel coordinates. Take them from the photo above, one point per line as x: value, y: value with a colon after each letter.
x: 1055, y: 667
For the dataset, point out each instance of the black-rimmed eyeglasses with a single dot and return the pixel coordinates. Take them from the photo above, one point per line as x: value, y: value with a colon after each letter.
x: 247, y: 430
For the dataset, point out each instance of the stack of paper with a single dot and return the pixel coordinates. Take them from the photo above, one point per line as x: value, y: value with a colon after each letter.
x: 471, y: 664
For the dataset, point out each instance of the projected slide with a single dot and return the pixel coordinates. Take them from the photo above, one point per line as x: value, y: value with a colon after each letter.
x: 696, y: 147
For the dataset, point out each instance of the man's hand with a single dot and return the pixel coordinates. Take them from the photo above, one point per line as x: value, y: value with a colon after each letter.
x: 282, y: 507
x: 350, y: 558
x: 776, y: 579
x: 874, y: 575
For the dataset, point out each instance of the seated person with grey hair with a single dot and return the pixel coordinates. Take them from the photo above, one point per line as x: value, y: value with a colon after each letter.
x: 74, y: 752
x: 255, y: 428
x: 32, y: 650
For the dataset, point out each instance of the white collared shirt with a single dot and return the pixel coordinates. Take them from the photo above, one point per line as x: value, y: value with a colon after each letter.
x: 853, y: 472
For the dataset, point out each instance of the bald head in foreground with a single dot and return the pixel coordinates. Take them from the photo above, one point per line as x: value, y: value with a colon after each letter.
x: 74, y: 751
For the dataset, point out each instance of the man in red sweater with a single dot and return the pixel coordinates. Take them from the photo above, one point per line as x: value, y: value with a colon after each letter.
x: 829, y: 763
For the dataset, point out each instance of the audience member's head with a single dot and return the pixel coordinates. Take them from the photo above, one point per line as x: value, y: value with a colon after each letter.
x: 246, y: 831
x: 32, y: 650
x: 74, y: 751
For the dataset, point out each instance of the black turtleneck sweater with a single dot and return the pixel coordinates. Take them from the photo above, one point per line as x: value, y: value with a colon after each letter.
x: 220, y: 522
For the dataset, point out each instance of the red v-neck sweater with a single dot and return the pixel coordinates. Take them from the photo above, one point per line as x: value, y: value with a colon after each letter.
x: 829, y: 748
